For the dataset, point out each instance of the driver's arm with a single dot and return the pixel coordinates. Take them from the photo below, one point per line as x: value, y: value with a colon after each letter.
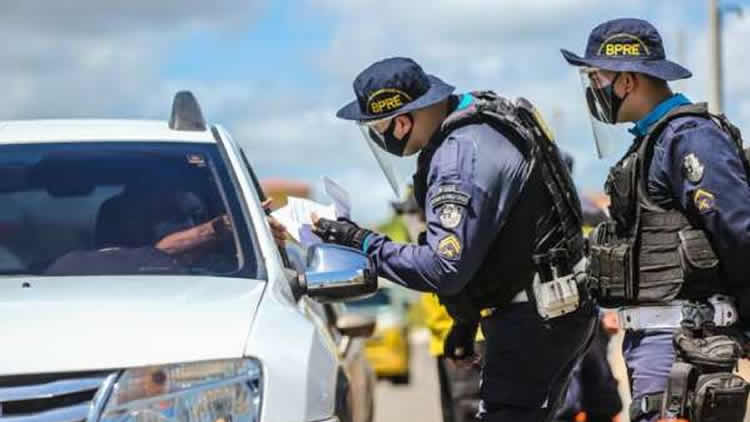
x: 196, y: 237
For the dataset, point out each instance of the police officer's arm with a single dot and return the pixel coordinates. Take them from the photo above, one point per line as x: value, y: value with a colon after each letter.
x: 709, y: 181
x: 470, y: 193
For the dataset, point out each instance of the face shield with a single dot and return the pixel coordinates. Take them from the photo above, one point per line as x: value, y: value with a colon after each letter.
x: 388, y: 152
x: 603, y: 105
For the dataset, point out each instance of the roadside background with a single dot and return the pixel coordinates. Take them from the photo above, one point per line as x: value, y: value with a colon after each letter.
x: 274, y: 72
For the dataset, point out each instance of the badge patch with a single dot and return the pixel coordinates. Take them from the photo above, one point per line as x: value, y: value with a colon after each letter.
x: 704, y: 200
x: 450, y: 216
x: 449, y: 194
x: 449, y: 247
x: 693, y: 168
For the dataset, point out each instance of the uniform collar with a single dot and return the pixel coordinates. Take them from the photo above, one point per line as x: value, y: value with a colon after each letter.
x: 641, y: 126
x: 464, y: 101
x: 455, y: 103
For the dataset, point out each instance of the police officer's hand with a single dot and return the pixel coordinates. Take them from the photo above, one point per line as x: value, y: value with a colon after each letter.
x: 459, y: 345
x: 342, y: 231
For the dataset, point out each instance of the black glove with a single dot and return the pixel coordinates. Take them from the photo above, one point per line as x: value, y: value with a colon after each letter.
x: 343, y: 231
x: 459, y: 344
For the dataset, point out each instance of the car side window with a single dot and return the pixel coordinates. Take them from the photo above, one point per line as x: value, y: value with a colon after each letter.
x: 286, y: 254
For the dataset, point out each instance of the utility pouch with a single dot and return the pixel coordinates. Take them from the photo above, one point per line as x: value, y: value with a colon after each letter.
x: 699, y: 262
x: 711, y: 354
x: 720, y: 397
x: 611, y: 271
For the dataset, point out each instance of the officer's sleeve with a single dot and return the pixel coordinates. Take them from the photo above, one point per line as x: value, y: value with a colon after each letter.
x: 466, y: 206
x: 709, y: 181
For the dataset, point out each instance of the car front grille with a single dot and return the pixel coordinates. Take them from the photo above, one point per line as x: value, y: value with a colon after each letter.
x: 52, y: 398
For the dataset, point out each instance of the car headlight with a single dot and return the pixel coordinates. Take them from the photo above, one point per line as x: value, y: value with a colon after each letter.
x: 214, y: 391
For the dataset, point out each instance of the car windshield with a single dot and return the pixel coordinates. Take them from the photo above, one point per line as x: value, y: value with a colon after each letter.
x: 121, y: 208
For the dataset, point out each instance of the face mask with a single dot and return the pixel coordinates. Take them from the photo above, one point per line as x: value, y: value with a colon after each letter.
x: 388, y: 141
x: 603, y: 103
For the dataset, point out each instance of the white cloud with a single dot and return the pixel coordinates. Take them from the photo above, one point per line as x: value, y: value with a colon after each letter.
x: 94, y: 58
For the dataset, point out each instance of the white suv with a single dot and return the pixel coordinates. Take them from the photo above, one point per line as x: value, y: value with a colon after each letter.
x: 139, y: 282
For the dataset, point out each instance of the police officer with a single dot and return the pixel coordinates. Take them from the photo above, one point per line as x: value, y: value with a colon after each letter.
x: 679, y: 232
x: 497, y: 200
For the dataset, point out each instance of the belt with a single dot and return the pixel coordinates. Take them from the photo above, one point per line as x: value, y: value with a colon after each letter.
x: 520, y: 297
x: 719, y: 311
x: 523, y: 296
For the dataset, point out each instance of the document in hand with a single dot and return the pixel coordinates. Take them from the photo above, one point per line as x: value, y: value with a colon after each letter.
x: 296, y: 215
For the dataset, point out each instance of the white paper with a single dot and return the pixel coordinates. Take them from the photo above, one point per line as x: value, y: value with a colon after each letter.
x: 296, y: 215
x: 340, y: 197
x: 298, y: 212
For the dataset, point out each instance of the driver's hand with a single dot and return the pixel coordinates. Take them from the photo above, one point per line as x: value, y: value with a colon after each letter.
x: 222, y: 225
x: 277, y: 229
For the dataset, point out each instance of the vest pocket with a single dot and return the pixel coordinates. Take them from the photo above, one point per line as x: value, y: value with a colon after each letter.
x: 611, y: 269
x: 698, y: 260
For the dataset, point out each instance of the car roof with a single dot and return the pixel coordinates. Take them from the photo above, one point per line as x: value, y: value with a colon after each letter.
x: 96, y: 130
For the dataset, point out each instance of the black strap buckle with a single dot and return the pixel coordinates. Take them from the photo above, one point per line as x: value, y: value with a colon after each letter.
x: 648, y: 404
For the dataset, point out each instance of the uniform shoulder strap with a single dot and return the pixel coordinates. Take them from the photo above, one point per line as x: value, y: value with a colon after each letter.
x: 523, y: 119
x: 486, y: 105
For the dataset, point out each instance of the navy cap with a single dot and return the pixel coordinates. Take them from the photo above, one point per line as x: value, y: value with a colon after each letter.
x: 628, y: 45
x: 393, y: 86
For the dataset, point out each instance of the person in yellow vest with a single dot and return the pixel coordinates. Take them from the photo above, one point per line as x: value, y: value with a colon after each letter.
x: 459, y: 386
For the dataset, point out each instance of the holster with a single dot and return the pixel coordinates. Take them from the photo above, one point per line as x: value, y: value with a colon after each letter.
x: 701, y: 385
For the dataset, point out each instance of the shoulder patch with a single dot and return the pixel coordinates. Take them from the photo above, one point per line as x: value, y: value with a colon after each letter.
x: 449, y: 194
x: 692, y: 168
x: 450, y: 247
x: 451, y: 216
x: 704, y: 201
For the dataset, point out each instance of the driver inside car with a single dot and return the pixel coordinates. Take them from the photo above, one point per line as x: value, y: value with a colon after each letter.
x: 180, y: 242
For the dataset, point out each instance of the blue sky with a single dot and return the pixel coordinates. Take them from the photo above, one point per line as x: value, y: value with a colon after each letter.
x: 275, y: 72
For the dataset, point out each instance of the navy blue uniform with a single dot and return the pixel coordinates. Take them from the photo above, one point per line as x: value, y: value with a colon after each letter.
x: 467, y: 164
x: 719, y: 202
x: 696, y: 193
x: 475, y: 179
x: 695, y: 168
x: 488, y: 211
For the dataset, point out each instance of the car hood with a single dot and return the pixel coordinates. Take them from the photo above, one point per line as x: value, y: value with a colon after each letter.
x: 61, y: 324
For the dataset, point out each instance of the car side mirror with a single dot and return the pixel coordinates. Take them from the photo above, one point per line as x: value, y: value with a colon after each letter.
x: 336, y: 273
x: 355, y: 325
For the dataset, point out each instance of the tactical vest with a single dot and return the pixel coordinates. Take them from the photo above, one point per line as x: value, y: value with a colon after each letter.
x: 547, y: 214
x: 647, y: 253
